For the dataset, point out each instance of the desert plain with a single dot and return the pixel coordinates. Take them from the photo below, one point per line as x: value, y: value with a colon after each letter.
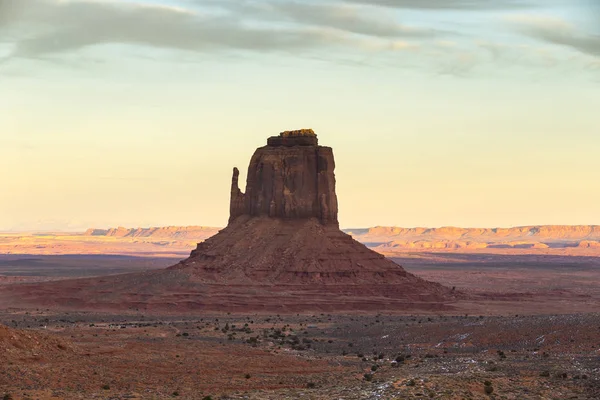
x: 528, y: 329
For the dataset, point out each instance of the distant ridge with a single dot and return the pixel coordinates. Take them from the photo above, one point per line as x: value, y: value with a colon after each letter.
x: 168, y: 232
x: 386, y: 239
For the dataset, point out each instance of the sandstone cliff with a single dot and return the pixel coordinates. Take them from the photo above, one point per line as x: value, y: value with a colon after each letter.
x: 292, y: 177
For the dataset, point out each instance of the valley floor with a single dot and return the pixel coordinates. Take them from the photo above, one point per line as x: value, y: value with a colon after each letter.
x: 87, y: 356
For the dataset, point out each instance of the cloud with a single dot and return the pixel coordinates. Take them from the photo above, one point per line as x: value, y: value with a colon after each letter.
x: 68, y: 26
x: 49, y: 27
x: 465, y: 5
x: 350, y: 18
x: 557, y: 31
x: 350, y: 31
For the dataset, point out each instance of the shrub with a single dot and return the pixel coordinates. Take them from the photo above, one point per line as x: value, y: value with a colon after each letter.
x: 368, y: 377
x: 7, y: 396
x: 545, y: 374
x: 106, y: 387
x: 374, y: 368
x: 311, y: 385
x: 488, y: 389
x: 411, y: 383
x: 248, y: 376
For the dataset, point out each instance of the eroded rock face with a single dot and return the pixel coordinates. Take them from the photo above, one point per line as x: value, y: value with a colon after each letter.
x: 292, y: 178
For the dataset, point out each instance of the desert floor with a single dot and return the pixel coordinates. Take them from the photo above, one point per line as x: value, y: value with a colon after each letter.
x: 530, y: 334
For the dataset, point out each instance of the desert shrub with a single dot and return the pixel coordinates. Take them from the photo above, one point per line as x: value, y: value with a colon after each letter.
x: 545, y: 374
x: 7, y: 396
x: 374, y: 368
x: 488, y: 389
x: 207, y: 398
x: 175, y: 394
x: 411, y: 383
x: 248, y: 376
x: 106, y: 387
x: 400, y: 359
x: 311, y: 385
x: 368, y: 377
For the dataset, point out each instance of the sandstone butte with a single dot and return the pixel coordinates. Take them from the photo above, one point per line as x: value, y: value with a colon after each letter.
x: 282, y: 251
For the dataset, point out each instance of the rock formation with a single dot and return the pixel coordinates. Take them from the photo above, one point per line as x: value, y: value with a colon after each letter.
x: 283, y: 236
x: 292, y: 177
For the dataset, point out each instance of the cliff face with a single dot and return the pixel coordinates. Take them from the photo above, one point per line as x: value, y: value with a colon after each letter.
x: 290, y: 178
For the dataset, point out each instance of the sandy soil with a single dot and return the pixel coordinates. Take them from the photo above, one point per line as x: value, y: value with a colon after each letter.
x: 83, y: 356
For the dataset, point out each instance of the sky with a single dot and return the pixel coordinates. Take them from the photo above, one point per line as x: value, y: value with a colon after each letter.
x: 474, y: 113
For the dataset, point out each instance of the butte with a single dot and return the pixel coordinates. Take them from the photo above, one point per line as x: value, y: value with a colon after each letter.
x: 282, y: 251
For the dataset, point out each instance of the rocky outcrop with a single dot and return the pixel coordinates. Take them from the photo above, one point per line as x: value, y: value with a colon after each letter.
x: 292, y: 178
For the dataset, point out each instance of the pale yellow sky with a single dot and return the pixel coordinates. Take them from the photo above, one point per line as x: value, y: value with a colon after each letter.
x: 446, y: 132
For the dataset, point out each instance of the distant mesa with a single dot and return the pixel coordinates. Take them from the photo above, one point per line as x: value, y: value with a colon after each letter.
x: 168, y: 232
x: 543, y: 239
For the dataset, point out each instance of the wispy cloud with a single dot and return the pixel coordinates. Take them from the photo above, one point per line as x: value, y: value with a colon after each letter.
x: 557, y: 31
x: 353, y: 31
x: 358, y: 19
x: 465, y: 5
x: 46, y: 27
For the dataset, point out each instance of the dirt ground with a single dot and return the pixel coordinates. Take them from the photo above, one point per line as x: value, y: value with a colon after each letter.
x: 84, y: 356
x: 531, y: 331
